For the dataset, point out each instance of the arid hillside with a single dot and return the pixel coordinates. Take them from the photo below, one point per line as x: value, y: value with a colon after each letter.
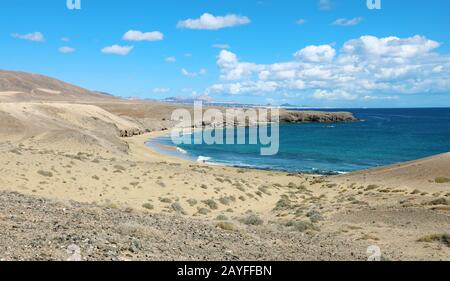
x: 22, y: 86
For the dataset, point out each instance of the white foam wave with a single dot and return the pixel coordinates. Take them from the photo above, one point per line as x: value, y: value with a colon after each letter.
x: 203, y: 159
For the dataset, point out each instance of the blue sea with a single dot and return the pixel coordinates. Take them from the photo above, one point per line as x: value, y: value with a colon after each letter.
x: 383, y: 137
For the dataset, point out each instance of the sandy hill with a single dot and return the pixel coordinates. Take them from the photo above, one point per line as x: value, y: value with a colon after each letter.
x: 45, y: 111
x: 21, y: 86
x: 423, y: 174
x: 63, y: 124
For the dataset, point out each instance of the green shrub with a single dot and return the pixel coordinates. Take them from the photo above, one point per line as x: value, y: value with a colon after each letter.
x: 442, y: 180
x: 45, y: 173
x: 222, y: 218
x: 177, y: 208
x: 439, y: 201
x: 252, y: 220
x: 211, y: 204
x: 314, y: 216
x: 301, y: 226
x: 442, y: 238
x: 192, y: 202
x: 228, y: 226
x: 148, y: 206
x: 203, y: 211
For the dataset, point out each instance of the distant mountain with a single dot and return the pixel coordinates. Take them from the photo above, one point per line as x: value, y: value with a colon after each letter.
x: 22, y: 86
x: 181, y: 99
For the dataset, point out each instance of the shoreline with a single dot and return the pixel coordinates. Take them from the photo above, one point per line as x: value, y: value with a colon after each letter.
x: 145, y: 183
x: 176, y: 159
x: 140, y: 143
x: 180, y: 158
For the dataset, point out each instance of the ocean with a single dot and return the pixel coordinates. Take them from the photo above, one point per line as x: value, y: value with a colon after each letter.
x: 383, y: 137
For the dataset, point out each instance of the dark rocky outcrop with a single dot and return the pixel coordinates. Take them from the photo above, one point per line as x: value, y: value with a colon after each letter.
x: 316, y: 117
x: 130, y: 132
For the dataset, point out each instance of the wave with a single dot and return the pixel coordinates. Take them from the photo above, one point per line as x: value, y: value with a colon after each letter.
x: 203, y: 159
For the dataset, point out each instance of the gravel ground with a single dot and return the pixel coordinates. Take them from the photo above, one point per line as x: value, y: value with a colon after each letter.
x: 33, y: 228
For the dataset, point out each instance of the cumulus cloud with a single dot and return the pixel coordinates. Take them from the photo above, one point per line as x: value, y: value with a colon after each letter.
x: 324, y: 5
x: 66, y: 50
x: 381, y: 98
x: 334, y: 95
x: 210, y: 22
x: 187, y: 73
x: 136, y: 35
x: 221, y: 46
x: 348, y: 22
x: 171, y: 59
x: 366, y: 68
x: 323, y: 53
x: 34, y: 37
x: 161, y: 90
x: 117, y: 50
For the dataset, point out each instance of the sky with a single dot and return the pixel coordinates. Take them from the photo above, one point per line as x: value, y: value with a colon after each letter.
x: 318, y: 53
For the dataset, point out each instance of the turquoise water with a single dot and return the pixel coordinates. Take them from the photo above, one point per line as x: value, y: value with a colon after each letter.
x: 385, y: 136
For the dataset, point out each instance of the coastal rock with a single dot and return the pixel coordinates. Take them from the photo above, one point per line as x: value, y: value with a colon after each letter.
x: 316, y: 117
x: 127, y: 133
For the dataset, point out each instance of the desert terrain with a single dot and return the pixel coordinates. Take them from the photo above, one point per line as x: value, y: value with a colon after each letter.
x: 76, y: 173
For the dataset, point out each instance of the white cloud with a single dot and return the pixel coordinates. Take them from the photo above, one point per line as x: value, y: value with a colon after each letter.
x: 370, y: 98
x: 161, y: 90
x: 187, y: 73
x: 35, y: 36
x: 171, y: 59
x: 221, y: 46
x: 300, y: 21
x: 324, y: 5
x: 136, y: 35
x: 66, y: 50
x: 117, y: 50
x: 245, y: 87
x: 365, y: 68
x: 348, y: 22
x: 323, y: 53
x: 210, y: 22
x: 389, y: 47
x: 334, y: 95
x: 65, y: 39
x: 231, y: 68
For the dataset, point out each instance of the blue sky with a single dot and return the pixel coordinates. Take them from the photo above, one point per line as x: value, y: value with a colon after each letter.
x: 334, y: 53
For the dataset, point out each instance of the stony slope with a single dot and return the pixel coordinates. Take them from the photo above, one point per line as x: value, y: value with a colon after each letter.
x: 33, y: 228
